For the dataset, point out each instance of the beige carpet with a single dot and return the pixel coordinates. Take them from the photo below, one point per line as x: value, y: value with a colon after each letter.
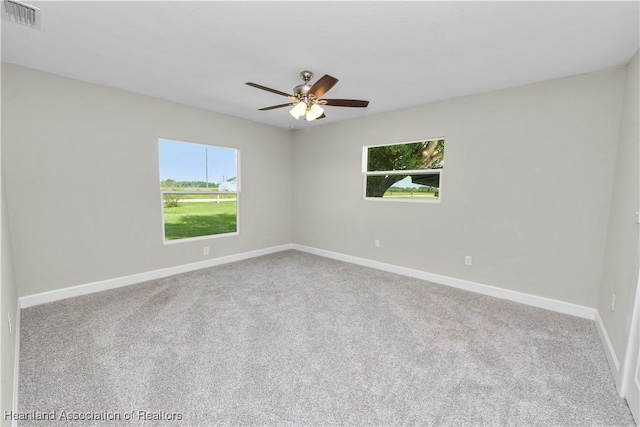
x: 296, y: 339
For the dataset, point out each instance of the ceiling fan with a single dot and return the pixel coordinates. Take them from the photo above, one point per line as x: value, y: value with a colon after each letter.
x: 307, y: 99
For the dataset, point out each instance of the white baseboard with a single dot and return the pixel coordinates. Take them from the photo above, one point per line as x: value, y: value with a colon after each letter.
x: 528, y: 299
x: 89, y: 288
x: 614, y: 365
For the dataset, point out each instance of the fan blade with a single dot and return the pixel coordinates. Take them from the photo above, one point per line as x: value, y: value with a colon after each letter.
x: 273, y: 107
x: 344, y: 102
x: 268, y: 89
x: 323, y: 85
x: 321, y: 117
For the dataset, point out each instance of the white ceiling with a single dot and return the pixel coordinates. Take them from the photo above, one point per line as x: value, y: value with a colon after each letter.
x: 394, y: 54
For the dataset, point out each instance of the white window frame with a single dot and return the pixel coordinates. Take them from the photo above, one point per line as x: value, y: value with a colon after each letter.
x: 237, y: 193
x: 366, y: 173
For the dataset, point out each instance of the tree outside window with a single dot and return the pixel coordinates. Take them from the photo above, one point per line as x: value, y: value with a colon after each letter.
x: 409, y: 170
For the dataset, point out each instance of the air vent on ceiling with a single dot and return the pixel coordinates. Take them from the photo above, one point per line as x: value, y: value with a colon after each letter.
x: 21, y: 13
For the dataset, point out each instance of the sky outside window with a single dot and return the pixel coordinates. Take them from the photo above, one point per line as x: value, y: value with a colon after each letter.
x: 182, y: 161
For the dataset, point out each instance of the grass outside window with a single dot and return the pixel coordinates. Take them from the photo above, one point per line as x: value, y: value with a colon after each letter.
x: 200, y: 219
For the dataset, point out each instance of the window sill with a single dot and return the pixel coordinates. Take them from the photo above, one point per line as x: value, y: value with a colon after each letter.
x: 199, y: 238
x: 400, y: 200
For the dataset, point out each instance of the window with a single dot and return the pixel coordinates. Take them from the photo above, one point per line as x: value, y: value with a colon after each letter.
x: 200, y: 189
x: 406, y: 171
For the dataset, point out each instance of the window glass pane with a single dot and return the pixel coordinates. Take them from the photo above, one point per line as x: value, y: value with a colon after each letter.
x: 412, y: 155
x: 186, y: 167
x: 420, y: 187
x: 199, y: 186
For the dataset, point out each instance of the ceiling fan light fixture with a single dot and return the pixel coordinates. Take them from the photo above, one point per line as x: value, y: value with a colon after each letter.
x: 298, y: 110
x: 314, y: 112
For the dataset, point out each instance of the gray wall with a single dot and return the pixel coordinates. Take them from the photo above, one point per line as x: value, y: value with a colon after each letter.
x: 620, y: 272
x: 526, y: 187
x: 81, y: 172
x: 9, y: 299
x: 8, y: 306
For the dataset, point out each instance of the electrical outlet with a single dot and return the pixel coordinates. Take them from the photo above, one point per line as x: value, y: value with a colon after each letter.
x: 205, y: 250
x: 613, y: 302
x: 376, y: 243
x: 9, y: 319
x: 468, y: 260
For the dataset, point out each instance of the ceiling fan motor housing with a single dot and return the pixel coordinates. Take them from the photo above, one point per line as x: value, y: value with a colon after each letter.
x: 303, y: 89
